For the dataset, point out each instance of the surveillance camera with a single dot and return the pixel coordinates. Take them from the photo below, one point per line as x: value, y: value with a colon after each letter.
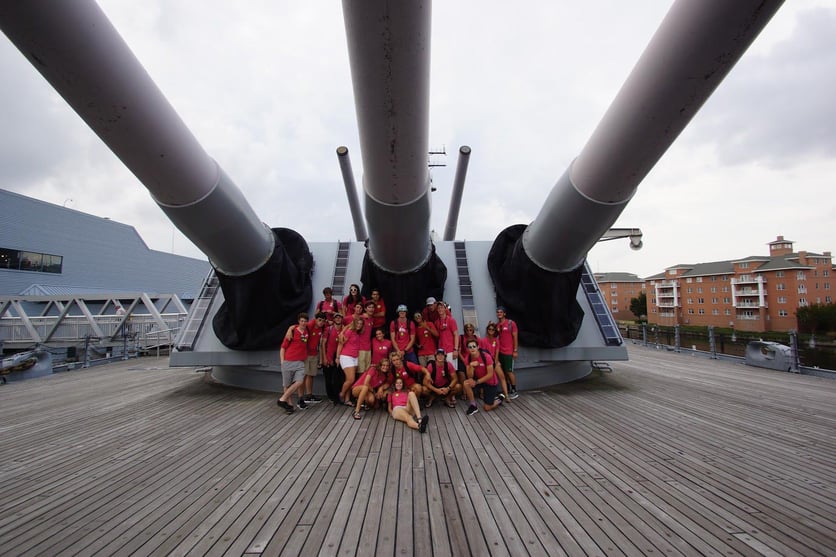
x: 636, y: 243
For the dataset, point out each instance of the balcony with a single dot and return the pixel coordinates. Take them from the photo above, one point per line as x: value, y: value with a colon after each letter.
x: 750, y: 305
x: 662, y: 304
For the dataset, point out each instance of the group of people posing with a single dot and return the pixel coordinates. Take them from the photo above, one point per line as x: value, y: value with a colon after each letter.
x: 412, y: 364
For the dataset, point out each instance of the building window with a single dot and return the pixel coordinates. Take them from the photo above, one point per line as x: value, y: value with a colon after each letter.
x: 727, y: 312
x: 725, y: 289
x: 690, y: 301
x: 713, y: 289
x: 827, y: 286
x: 744, y: 265
x: 802, y: 302
x: 726, y: 300
x: 802, y: 289
x: 690, y: 311
x: 688, y: 280
x: 782, y: 299
x: 699, y: 279
x: 690, y: 290
x: 714, y: 300
x: 825, y: 273
x: 701, y: 311
x: 779, y: 274
x: 700, y: 300
x: 828, y: 299
x: 783, y: 313
x: 800, y: 275
x: 715, y: 311
x: 699, y: 290
x: 30, y: 261
x: 781, y: 286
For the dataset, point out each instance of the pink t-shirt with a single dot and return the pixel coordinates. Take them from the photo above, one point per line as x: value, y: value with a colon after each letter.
x: 351, y: 346
x: 482, y: 370
x: 380, y: 350
x: 506, y: 329
x: 425, y: 340
x: 376, y: 378
x: 399, y: 398
x: 446, y: 339
x: 402, y: 330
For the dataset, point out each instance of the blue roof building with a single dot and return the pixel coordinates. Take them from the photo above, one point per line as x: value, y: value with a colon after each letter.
x: 49, y: 249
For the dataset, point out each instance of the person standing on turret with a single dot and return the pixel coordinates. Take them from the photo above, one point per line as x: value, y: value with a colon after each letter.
x: 509, y: 343
x: 425, y: 338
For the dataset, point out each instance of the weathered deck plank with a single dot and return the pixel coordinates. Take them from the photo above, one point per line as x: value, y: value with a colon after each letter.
x: 670, y: 454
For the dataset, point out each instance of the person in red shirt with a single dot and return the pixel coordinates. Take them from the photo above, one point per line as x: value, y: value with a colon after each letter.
x: 425, y: 337
x: 480, y: 372
x: 372, y: 387
x: 334, y: 376
x: 411, y: 373
x: 356, y: 311
x: 490, y: 343
x: 293, y: 353
x: 402, y: 333
x: 448, y: 333
x: 441, y: 380
x: 364, y: 360
x: 348, y: 350
x: 430, y: 311
x: 313, y: 363
x: 329, y: 305
x: 381, y: 347
x: 468, y: 334
x: 379, y: 310
x: 404, y: 407
x: 509, y: 343
x: 352, y: 298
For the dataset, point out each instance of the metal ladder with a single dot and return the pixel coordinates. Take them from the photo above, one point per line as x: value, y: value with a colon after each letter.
x: 197, y: 314
x: 340, y: 270
x: 465, y: 286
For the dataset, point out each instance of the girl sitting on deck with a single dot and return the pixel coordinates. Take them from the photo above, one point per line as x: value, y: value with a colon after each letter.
x: 404, y: 407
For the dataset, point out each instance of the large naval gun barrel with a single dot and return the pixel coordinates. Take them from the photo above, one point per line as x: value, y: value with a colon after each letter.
x: 389, y: 54
x: 263, y: 272
x: 694, y: 48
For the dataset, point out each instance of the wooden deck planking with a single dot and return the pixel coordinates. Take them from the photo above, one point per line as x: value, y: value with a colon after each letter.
x: 670, y: 454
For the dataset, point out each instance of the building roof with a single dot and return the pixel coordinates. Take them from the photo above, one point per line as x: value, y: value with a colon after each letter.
x: 98, y: 254
x: 617, y: 277
x: 710, y: 268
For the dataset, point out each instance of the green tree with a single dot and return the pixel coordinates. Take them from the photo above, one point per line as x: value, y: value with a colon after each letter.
x: 638, y: 306
x: 816, y: 318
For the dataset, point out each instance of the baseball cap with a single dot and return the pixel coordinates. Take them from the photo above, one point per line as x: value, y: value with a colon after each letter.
x: 440, y: 351
x: 430, y: 301
x: 402, y: 308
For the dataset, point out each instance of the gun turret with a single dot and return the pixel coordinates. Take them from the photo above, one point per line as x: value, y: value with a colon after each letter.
x: 267, y: 275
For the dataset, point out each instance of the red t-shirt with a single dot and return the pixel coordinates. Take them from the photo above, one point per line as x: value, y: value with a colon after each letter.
x: 482, y: 370
x: 425, y: 340
x: 377, y: 378
x: 351, y: 346
x: 399, y: 398
x: 402, y: 330
x: 329, y: 308
x: 314, y: 337
x: 440, y: 374
x: 379, y: 308
x: 367, y: 333
x: 506, y: 329
x: 445, y: 327
x: 408, y: 373
x: 296, y: 349
x: 332, y: 338
x: 380, y: 350
x: 491, y: 344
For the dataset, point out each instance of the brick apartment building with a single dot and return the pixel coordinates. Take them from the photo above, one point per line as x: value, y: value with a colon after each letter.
x: 618, y: 289
x: 750, y: 294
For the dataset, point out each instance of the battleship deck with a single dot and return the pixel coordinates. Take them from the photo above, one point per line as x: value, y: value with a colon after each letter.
x: 669, y: 454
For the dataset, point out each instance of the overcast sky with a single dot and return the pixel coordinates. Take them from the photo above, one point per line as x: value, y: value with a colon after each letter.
x: 265, y: 87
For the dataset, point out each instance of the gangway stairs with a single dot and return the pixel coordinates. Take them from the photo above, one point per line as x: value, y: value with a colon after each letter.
x: 465, y: 286
x: 340, y: 270
x: 606, y: 323
x: 197, y: 314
